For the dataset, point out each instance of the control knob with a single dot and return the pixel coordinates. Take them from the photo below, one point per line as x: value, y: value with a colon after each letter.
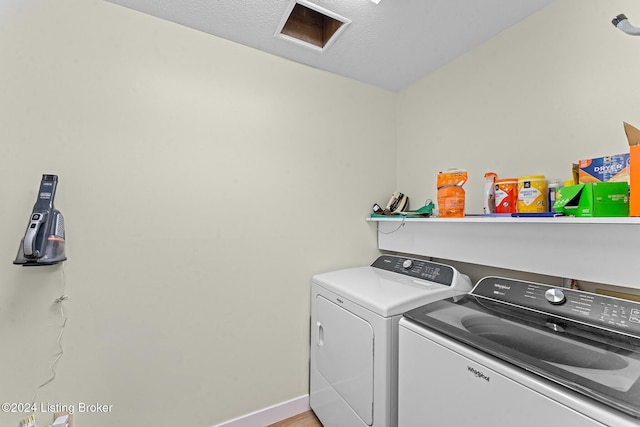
x: 407, y: 263
x: 555, y: 296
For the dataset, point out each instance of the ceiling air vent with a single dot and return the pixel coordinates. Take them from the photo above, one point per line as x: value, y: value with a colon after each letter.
x: 310, y: 25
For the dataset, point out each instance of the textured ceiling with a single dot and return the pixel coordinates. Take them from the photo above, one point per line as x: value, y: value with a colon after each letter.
x: 389, y: 45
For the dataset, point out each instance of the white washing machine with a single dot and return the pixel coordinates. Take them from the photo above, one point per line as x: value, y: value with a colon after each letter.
x: 354, y: 335
x: 515, y: 353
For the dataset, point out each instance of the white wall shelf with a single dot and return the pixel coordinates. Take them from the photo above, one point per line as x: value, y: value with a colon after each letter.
x: 602, y: 250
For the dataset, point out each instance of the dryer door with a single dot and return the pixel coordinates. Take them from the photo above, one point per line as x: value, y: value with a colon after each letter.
x: 344, y: 350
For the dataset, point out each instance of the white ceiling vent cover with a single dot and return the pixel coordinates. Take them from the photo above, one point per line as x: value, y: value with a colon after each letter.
x: 310, y: 25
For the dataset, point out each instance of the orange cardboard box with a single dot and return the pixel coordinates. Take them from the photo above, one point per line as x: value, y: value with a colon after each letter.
x: 633, y: 136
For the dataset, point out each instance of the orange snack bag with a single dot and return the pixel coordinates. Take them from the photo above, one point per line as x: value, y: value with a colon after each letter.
x: 451, y: 194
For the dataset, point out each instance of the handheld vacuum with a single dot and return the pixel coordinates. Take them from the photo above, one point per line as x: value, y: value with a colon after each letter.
x: 43, y: 242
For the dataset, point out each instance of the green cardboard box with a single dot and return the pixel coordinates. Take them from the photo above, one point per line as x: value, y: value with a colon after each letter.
x: 594, y: 199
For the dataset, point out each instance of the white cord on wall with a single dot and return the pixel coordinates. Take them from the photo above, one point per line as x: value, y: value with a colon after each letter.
x: 59, y: 301
x: 394, y: 230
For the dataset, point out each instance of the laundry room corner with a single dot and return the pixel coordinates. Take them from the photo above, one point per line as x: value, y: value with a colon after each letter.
x: 222, y: 263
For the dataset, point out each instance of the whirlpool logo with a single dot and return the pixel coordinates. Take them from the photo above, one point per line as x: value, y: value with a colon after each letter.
x: 478, y: 374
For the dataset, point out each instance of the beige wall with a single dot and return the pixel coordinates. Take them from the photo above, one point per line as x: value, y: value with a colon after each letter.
x: 547, y: 92
x: 202, y: 184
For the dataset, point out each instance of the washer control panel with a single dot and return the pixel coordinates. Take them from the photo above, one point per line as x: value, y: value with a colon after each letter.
x: 420, y: 269
x: 601, y: 310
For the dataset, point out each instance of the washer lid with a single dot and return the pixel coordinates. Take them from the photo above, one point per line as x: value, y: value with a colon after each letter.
x: 383, y: 292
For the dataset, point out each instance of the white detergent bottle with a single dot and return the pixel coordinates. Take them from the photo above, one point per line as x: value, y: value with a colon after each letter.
x: 489, y: 197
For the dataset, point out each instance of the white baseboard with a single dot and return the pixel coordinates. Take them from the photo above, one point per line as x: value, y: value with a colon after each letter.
x: 270, y: 415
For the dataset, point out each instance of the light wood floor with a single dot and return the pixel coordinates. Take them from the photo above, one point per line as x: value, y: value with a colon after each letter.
x: 306, y: 419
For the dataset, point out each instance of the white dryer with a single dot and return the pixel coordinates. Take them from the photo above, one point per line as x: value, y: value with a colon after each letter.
x: 354, y: 335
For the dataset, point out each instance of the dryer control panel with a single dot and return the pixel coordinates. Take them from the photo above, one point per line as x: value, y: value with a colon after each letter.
x: 586, y: 307
x: 420, y: 269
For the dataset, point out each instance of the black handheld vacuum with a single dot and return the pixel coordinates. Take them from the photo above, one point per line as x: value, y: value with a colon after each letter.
x: 43, y: 243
